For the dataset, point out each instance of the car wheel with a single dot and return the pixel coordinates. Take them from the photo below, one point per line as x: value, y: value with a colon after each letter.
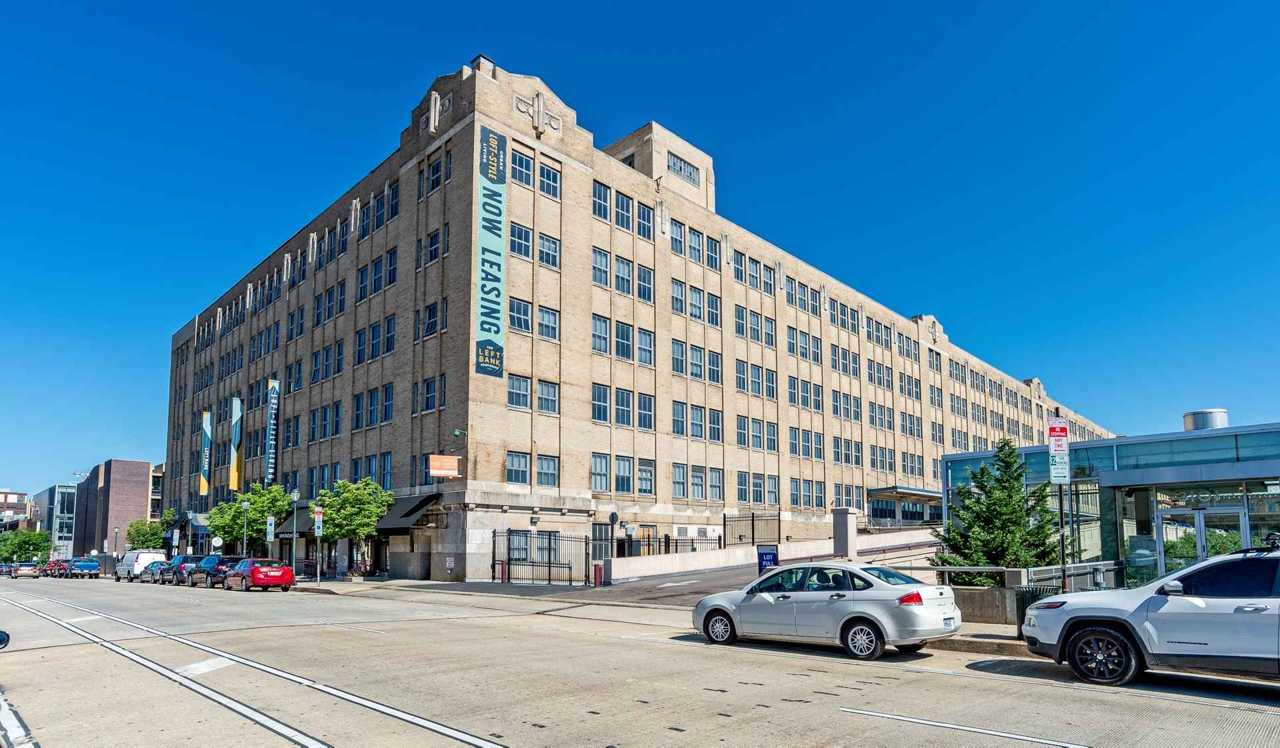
x: 1103, y: 656
x: 226, y: 584
x: 909, y: 648
x: 284, y: 588
x: 244, y: 584
x: 719, y: 629
x: 208, y: 581
x: 862, y: 640
x: 117, y: 577
x: 191, y: 581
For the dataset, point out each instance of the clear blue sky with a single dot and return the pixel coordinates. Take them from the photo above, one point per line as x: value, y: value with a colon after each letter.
x: 1087, y: 195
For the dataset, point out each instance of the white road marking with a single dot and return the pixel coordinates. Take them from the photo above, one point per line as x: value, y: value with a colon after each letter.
x: 962, y: 728
x: 11, y: 728
x: 285, y: 731
x: 413, y: 719
x: 678, y: 584
x: 82, y: 619
x: 205, y: 666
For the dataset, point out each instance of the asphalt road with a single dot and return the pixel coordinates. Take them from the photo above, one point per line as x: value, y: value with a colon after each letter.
x: 95, y: 663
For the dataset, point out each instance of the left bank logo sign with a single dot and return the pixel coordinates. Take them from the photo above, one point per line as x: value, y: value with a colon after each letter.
x: 491, y: 253
x: 206, y: 441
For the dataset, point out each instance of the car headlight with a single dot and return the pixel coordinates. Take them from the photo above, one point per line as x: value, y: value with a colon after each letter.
x: 1049, y: 606
x: 1031, y: 622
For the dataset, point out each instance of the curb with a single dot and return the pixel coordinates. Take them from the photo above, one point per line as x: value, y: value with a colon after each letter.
x: 1001, y: 647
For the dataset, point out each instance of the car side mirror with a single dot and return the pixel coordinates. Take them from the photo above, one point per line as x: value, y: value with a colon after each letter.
x: 1172, y: 587
x: 4, y: 640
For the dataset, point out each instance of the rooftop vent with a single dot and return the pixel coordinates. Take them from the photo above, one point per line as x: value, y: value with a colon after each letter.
x: 1199, y: 420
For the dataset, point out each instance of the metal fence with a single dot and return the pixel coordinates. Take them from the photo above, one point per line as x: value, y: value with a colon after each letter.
x: 752, y: 529
x: 1097, y: 574
x: 553, y: 558
x: 655, y: 546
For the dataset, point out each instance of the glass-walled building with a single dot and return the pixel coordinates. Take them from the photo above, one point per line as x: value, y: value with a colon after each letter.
x: 1158, y: 502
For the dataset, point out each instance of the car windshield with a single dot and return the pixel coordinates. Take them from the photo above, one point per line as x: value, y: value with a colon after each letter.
x: 264, y: 562
x: 889, y: 576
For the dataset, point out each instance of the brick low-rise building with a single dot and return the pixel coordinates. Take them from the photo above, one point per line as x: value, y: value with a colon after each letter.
x: 582, y: 329
x: 113, y: 494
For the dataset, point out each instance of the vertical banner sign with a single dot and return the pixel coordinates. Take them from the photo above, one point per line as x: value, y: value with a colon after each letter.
x: 1059, y: 452
x: 234, y: 474
x: 491, y: 253
x: 273, y: 411
x: 206, y: 439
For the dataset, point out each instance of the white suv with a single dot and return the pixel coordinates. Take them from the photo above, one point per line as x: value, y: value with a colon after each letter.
x: 1220, y: 615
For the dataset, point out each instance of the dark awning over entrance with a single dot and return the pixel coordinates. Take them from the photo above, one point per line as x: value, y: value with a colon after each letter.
x: 401, y: 516
x: 306, y: 523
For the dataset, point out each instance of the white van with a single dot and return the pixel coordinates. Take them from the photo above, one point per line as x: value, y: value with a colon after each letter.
x: 134, y: 562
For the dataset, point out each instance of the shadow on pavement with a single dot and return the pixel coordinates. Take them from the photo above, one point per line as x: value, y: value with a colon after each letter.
x: 832, y: 652
x: 1254, y: 693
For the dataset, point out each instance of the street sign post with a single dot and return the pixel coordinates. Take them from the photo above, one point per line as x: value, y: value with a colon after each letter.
x: 319, y: 531
x: 216, y: 542
x: 1060, y: 475
x: 271, y: 529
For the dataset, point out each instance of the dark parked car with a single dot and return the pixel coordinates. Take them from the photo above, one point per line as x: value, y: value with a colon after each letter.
x: 211, y: 570
x: 4, y: 570
x: 175, y: 572
x: 151, y: 572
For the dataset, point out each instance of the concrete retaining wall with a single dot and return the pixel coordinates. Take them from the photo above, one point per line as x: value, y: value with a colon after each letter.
x: 638, y: 567
x: 987, y: 604
x: 405, y: 565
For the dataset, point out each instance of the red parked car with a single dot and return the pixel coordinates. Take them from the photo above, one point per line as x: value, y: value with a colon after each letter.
x: 258, y: 572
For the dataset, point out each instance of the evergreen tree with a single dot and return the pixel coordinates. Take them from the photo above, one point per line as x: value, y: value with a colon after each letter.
x: 995, y: 521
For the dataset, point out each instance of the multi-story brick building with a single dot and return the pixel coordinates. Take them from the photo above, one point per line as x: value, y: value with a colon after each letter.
x: 113, y: 494
x: 615, y: 346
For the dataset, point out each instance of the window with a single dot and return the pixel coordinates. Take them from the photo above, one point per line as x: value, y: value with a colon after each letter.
x: 600, y: 334
x: 549, y: 181
x: 677, y: 357
x: 548, y: 323
x: 1247, y: 578
x: 521, y: 241
x: 548, y: 251
x: 521, y: 312
x: 644, y: 345
x: 599, y: 267
x: 521, y: 168
x: 435, y: 176
x: 695, y: 303
x: 695, y: 246
x: 622, y: 211
x: 622, y: 341
x: 518, y: 467
x: 744, y: 480
x: 644, y: 478
x: 644, y: 283
x: 677, y: 237
x: 739, y: 267
x: 713, y: 254
x: 678, y: 418
x: 517, y: 391
x: 644, y: 221
x: 683, y: 169
x: 715, y: 425
x: 622, y: 475
x: 600, y: 403
x: 599, y: 472
x: 677, y: 296
x: 621, y: 275
x: 548, y: 397
x: 622, y: 407
x: 713, y: 367
x: 645, y: 412
x: 388, y: 393
x: 548, y: 473
x: 679, y: 481
x: 698, y: 483
x: 600, y: 201
x: 392, y: 260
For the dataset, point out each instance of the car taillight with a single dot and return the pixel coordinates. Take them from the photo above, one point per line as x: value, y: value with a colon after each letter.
x: 911, y: 598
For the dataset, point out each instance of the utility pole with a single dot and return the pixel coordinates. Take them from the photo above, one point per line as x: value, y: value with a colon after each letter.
x: 1060, y: 475
x: 244, y: 541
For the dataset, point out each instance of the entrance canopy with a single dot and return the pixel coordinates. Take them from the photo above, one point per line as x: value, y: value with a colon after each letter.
x: 305, y: 518
x: 405, y: 514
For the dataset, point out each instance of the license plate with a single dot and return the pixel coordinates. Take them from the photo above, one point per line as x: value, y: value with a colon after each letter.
x: 948, y: 623
x: 273, y: 573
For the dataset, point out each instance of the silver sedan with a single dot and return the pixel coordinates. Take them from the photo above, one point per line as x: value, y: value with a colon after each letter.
x: 860, y: 606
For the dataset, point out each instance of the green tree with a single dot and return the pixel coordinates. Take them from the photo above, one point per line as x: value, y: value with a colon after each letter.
x: 227, y: 520
x: 143, y: 533
x: 1000, y: 522
x: 24, y: 545
x: 352, y: 511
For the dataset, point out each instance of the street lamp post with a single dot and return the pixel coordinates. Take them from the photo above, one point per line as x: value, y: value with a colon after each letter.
x: 293, y: 541
x: 115, y: 547
x: 244, y: 505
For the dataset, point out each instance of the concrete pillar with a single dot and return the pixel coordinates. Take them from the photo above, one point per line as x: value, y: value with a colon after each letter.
x: 844, y: 525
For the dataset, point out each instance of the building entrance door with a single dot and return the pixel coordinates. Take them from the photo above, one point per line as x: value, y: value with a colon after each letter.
x: 1189, y: 536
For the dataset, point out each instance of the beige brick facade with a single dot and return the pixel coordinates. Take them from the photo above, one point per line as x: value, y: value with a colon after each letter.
x: 650, y: 169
